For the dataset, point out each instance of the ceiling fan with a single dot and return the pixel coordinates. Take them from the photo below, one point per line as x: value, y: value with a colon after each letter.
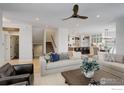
x: 75, y: 14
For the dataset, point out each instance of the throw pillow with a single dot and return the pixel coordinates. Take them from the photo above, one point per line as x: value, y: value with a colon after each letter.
x: 64, y: 56
x: 54, y: 57
x: 7, y: 70
x: 119, y: 58
x: 70, y: 54
x: 47, y: 57
x: 107, y: 57
x: 77, y: 55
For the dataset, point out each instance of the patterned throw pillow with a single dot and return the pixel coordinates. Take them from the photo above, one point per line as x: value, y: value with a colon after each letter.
x: 7, y: 70
x: 119, y: 58
x: 107, y: 57
x: 47, y: 57
x: 77, y: 55
x: 64, y: 56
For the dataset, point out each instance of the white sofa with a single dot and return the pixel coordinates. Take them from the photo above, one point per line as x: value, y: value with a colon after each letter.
x: 115, y: 67
x: 59, y: 66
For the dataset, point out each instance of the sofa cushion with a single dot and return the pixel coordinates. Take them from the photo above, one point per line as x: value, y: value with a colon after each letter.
x: 64, y: 56
x: 54, y: 57
x: 114, y: 58
x: 70, y: 53
x: 76, y: 55
x: 7, y: 70
x: 63, y: 63
x: 107, y: 57
x: 113, y: 65
x: 47, y: 57
x: 119, y: 58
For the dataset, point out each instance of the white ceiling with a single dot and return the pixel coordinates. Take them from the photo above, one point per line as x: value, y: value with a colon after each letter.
x: 52, y: 14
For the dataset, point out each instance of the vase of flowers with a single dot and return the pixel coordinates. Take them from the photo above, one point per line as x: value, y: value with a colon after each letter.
x: 88, y: 67
x: 89, y: 74
x: 47, y: 57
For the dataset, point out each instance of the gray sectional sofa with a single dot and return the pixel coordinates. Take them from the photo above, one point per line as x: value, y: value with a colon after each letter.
x: 113, y: 64
x: 60, y: 65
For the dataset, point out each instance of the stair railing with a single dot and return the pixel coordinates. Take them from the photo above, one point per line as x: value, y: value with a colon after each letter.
x: 53, y: 41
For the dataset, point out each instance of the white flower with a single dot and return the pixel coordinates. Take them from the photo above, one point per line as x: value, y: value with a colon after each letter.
x: 90, y: 59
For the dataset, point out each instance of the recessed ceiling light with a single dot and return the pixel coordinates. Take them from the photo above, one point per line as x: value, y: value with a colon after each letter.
x: 6, y: 19
x: 77, y: 24
x: 46, y: 25
x: 37, y: 19
x: 98, y: 16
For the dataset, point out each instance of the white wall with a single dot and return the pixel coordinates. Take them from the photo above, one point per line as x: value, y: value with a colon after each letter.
x: 37, y: 33
x: 14, y: 33
x: 25, y: 39
x: 6, y: 46
x: 2, y: 62
x: 25, y: 43
x: 120, y: 36
x: 88, y: 30
x: 62, y: 43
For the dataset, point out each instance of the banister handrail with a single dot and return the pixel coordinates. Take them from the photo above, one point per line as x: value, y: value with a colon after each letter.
x: 53, y: 41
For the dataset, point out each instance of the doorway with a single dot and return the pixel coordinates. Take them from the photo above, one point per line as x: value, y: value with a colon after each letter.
x: 14, y: 47
x: 11, y: 43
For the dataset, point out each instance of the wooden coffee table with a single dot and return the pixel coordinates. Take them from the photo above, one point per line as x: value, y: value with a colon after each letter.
x: 75, y: 77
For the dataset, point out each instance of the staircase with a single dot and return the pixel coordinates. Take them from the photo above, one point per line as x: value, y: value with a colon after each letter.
x: 49, y: 47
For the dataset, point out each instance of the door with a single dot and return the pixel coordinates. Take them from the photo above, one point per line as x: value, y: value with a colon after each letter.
x: 14, y: 47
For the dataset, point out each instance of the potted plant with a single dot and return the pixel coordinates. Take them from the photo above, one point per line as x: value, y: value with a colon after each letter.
x: 88, y: 67
x: 47, y: 57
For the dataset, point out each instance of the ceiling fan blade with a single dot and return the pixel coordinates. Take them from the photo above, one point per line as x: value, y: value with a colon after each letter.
x: 82, y: 17
x: 75, y: 9
x: 75, y: 14
x: 67, y: 18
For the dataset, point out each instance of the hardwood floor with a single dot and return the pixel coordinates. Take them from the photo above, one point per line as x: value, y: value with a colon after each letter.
x: 52, y: 79
x: 36, y: 68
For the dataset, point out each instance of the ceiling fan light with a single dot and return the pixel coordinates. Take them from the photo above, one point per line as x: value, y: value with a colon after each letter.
x: 77, y: 25
x: 98, y: 16
x: 37, y: 19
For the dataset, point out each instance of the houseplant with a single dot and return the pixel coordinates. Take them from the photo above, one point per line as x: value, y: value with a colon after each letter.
x: 47, y: 57
x: 89, y: 66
